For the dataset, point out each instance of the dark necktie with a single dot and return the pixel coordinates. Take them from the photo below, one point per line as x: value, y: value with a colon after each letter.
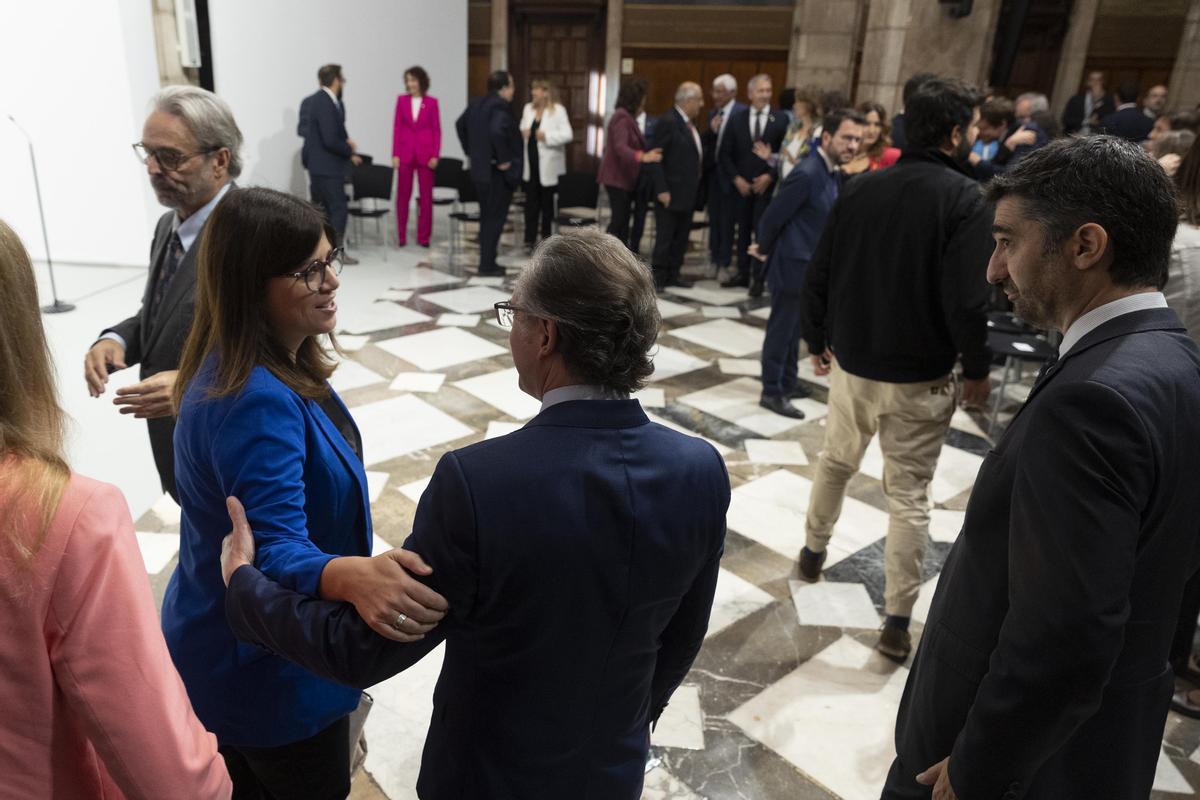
x: 757, y: 125
x: 170, y: 266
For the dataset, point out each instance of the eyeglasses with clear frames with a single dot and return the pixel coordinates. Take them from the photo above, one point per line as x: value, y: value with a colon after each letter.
x: 314, y: 274
x: 167, y: 157
x: 505, y: 313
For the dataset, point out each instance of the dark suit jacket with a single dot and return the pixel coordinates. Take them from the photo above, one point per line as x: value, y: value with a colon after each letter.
x: 1072, y: 118
x: 156, y: 344
x: 712, y: 165
x: 489, y: 136
x: 323, y: 126
x: 737, y: 157
x: 899, y: 134
x: 791, y: 225
x: 579, y: 556
x: 679, y: 170
x: 1128, y: 123
x: 1043, y: 666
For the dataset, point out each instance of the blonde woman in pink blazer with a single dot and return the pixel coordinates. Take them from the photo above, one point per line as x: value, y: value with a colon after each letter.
x: 92, y: 705
x: 416, y: 144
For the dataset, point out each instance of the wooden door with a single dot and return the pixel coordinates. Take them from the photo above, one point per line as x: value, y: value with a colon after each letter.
x: 565, y: 47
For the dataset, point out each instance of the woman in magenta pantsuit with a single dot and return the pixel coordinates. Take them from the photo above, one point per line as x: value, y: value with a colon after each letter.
x: 416, y: 143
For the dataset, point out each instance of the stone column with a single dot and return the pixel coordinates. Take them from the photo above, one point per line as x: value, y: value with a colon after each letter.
x: 499, y: 34
x: 823, y: 42
x: 1069, y: 76
x: 613, y: 37
x: 1185, y: 77
x: 879, y: 76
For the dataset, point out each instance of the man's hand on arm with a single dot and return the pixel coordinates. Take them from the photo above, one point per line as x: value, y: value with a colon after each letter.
x: 106, y: 355
x: 237, y: 549
x: 382, y: 590
x: 150, y: 399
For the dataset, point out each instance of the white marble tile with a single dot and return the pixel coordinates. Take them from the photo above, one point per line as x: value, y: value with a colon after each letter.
x: 1168, y: 778
x: 497, y: 428
x: 500, y: 390
x: 441, y: 348
x: 761, y: 313
x: 458, y: 320
x: 721, y: 312
x: 771, y: 510
x: 486, y: 280
x: 806, y: 373
x: 167, y: 510
x: 666, y: 423
x: 650, y: 397
x: 668, y: 309
x: 157, y: 550
x: 964, y: 422
x: 661, y: 784
x: 945, y: 525
x: 371, y: 317
x: 682, y: 723
x: 832, y: 717
x: 771, y: 451
x: 736, y: 401
x: 711, y: 296
x: 420, y: 278
x: 740, y: 366
x: 669, y: 362
x: 514, y: 261
x: 397, y: 295
x: 920, y: 611
x: 724, y: 336
x: 376, y: 481
x: 841, y: 605
x: 955, y: 472
x: 397, y: 725
x: 402, y: 425
x: 352, y: 344
x: 414, y: 490
x: 351, y: 375
x: 735, y: 598
x: 379, y: 545
x: 426, y: 382
x: 469, y: 299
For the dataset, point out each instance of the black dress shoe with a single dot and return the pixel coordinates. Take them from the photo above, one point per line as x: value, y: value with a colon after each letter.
x: 799, y: 393
x: 780, y: 405
x: 679, y: 283
x: 737, y: 281
x: 756, y: 288
x: 811, y: 563
x: 490, y: 273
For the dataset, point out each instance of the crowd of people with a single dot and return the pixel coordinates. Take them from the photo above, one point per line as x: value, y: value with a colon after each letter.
x: 1056, y: 634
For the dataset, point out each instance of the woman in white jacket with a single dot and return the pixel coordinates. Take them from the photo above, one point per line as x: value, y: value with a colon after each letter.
x: 546, y: 128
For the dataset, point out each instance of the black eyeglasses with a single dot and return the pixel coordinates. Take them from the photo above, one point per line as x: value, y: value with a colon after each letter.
x: 314, y: 274
x: 167, y: 157
x: 505, y: 313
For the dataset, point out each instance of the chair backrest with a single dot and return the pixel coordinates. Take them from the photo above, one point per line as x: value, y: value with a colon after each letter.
x: 372, y: 181
x: 447, y: 172
x: 578, y: 190
x: 466, y: 188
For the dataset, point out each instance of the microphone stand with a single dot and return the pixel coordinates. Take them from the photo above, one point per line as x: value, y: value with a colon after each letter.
x: 58, y: 306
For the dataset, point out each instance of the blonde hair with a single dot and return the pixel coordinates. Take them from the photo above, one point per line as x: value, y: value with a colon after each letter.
x: 31, y: 422
x: 551, y: 95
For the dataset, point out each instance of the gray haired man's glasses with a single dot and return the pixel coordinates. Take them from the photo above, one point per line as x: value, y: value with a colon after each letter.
x: 505, y: 313
x: 167, y: 157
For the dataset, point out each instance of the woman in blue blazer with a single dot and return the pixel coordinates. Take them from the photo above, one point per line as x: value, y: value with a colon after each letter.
x: 253, y: 382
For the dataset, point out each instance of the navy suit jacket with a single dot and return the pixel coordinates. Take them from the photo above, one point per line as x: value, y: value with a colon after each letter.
x: 323, y: 126
x: 736, y: 156
x: 792, y: 224
x: 305, y: 494
x: 1128, y: 123
x: 579, y: 556
x: 1043, y: 668
x: 489, y: 136
x: 712, y: 166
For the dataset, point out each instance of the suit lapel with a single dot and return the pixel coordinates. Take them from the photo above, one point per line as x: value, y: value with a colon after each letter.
x: 162, y: 237
x: 182, y: 284
x: 338, y: 443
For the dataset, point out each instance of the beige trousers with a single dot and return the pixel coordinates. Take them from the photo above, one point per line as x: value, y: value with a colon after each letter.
x: 912, y: 420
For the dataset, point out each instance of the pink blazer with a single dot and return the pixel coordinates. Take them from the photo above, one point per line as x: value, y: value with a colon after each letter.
x: 92, y: 705
x: 417, y: 141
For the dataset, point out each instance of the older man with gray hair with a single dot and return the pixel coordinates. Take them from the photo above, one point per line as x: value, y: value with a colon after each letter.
x: 676, y: 181
x: 579, y: 556
x: 191, y: 147
x: 721, y: 194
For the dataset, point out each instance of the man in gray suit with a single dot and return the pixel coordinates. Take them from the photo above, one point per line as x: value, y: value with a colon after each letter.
x: 192, y: 150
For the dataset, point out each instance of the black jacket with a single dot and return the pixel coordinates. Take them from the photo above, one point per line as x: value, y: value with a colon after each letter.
x: 1043, y: 671
x: 1072, y: 118
x: 323, y: 126
x: 1129, y: 123
x: 679, y: 170
x: 898, y: 285
x: 489, y: 136
x: 736, y: 157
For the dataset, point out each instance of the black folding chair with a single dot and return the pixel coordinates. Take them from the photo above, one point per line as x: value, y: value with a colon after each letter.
x: 1015, y: 348
x: 578, y: 197
x: 460, y: 216
x: 372, y: 183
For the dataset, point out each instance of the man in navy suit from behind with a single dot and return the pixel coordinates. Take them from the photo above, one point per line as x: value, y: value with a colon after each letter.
x: 787, y: 236
x: 1128, y: 121
x: 579, y: 556
x: 328, y: 150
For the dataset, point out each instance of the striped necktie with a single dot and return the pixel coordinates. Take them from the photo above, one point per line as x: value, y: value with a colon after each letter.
x: 170, y: 266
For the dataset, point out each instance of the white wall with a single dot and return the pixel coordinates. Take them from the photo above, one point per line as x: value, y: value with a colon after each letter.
x: 80, y: 76
x: 265, y: 59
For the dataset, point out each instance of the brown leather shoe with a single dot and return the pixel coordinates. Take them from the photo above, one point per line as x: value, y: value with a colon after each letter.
x: 811, y: 563
x: 895, y: 643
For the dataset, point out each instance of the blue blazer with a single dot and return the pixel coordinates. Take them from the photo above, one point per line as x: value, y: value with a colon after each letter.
x: 323, y: 126
x: 579, y: 556
x: 306, y: 499
x: 791, y: 225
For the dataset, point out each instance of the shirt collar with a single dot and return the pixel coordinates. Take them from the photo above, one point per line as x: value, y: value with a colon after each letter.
x: 829, y: 165
x: 1107, y: 312
x: 1124, y: 106
x: 190, y: 228
x: 727, y: 109
x: 686, y: 119
x: 332, y: 96
x: 581, y: 391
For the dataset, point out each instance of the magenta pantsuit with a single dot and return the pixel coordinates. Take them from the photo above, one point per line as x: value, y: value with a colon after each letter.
x: 414, y: 143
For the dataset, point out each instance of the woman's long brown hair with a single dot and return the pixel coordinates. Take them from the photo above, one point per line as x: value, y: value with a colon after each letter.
x: 1187, y: 182
x: 885, y: 128
x: 253, y: 235
x: 33, y: 468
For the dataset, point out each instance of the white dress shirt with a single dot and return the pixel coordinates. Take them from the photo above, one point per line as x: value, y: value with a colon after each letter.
x: 336, y: 103
x: 725, y: 110
x: 1109, y: 311
x: 695, y: 134
x: 416, y: 105
x: 765, y: 112
x: 579, y: 391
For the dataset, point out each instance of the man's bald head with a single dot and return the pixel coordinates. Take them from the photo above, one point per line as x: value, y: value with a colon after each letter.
x: 689, y: 98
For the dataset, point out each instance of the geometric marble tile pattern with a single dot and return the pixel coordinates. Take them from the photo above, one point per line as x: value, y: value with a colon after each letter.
x: 668, y: 309
x: 397, y: 724
x: 157, y: 550
x: 955, y: 471
x: 724, y: 336
x: 441, y: 348
x: 371, y: 317
x: 682, y: 724
x: 734, y: 599
x: 669, y: 362
x: 740, y: 366
x: 721, y: 312
x: 662, y: 785
x: 424, y: 382
x: 500, y: 390
x: 771, y: 451
x: 403, y: 425
x: 841, y: 605
x: 469, y: 299
x: 736, y: 401
x: 350, y: 374
x: 459, y: 320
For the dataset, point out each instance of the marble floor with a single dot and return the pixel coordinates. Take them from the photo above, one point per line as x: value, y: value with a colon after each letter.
x: 787, y: 698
